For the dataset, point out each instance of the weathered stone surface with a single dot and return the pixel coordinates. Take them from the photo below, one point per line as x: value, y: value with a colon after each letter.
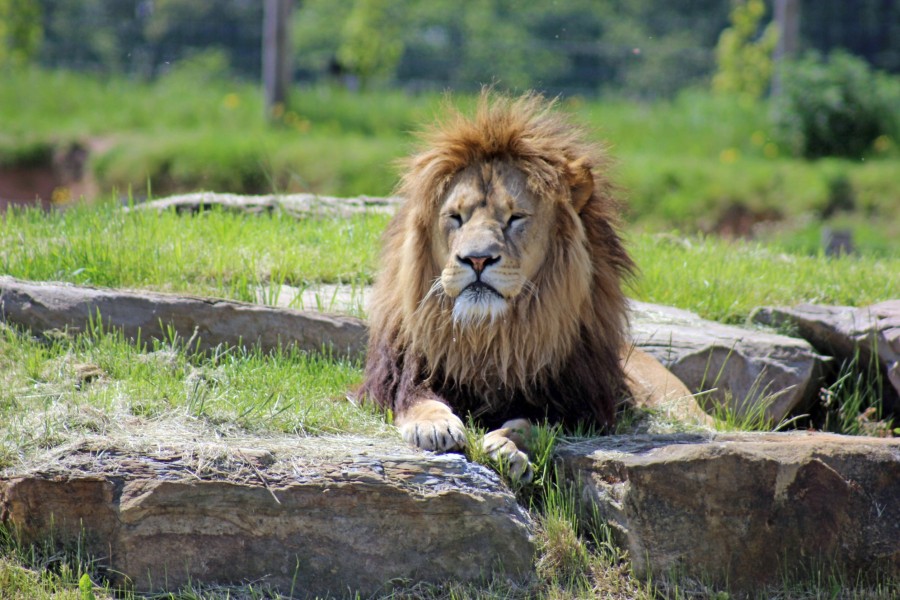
x: 47, y: 306
x: 297, y: 205
x: 334, y: 298
x: 841, y: 331
x: 317, y: 516
x: 741, y: 366
x: 745, y: 508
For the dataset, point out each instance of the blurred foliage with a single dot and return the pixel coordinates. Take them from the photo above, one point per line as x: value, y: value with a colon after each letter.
x: 640, y: 47
x: 866, y: 28
x: 699, y: 162
x: 837, y: 107
x: 20, y: 31
x: 371, y: 45
x: 145, y: 37
x: 170, y: 28
x: 203, y: 67
x: 633, y: 48
x: 743, y: 54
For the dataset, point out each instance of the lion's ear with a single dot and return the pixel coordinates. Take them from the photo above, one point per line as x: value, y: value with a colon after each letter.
x: 581, y: 182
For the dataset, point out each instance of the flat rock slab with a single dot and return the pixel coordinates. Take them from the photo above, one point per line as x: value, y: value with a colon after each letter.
x: 314, y: 516
x: 333, y: 298
x: 44, y: 307
x: 746, y: 508
x: 842, y: 331
x: 296, y: 205
x: 737, y: 366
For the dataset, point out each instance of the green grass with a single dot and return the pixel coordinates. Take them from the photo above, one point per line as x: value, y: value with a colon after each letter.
x: 231, y: 255
x: 53, y: 391
x: 724, y: 281
x: 684, y: 163
x: 215, y: 253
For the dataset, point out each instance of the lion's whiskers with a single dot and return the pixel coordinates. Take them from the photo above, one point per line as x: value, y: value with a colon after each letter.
x: 530, y: 288
x: 436, y: 290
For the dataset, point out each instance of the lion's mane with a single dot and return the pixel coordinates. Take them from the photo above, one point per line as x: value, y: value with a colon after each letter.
x: 556, y: 353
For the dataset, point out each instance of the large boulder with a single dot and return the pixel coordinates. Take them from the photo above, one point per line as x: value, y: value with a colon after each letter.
x: 745, y: 509
x: 843, y: 331
x: 44, y: 307
x: 313, y: 516
x: 745, y: 369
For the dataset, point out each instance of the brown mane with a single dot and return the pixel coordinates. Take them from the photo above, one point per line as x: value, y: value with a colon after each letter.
x: 556, y: 354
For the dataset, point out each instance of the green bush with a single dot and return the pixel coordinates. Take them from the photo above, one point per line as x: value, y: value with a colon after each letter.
x: 743, y: 54
x: 838, y: 107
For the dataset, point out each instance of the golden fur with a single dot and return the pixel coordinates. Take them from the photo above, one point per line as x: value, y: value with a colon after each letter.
x: 500, y: 290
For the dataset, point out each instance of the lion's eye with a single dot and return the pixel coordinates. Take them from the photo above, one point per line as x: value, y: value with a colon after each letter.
x: 513, y: 219
x: 456, y: 218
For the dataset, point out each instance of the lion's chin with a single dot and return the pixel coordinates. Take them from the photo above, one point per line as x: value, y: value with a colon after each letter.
x: 478, y: 304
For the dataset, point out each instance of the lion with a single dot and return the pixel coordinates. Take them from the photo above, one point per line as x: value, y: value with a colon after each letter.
x: 500, y: 293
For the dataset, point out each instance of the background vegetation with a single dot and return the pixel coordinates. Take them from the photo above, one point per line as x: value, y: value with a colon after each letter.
x: 165, y: 105
x: 635, y: 47
x: 698, y: 162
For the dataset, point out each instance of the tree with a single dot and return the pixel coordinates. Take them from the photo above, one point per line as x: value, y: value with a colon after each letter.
x: 177, y: 29
x: 743, y: 56
x: 316, y: 34
x: 371, y: 42
x: 20, y: 31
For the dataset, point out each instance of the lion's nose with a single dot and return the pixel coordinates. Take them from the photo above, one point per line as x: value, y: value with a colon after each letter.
x: 478, y: 263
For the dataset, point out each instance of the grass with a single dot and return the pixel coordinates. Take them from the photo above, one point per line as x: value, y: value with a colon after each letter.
x: 852, y: 404
x: 690, y: 162
x: 215, y: 253
x: 57, y: 390
x: 231, y: 255
x: 724, y: 281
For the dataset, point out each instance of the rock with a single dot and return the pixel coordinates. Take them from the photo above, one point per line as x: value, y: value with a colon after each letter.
x: 842, y: 331
x: 735, y: 365
x: 296, y: 205
x: 745, y: 365
x: 333, y: 298
x: 745, y: 509
x: 44, y: 307
x: 312, y: 516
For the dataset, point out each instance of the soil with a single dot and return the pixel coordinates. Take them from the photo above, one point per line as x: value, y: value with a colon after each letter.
x: 63, y: 179
x: 739, y: 221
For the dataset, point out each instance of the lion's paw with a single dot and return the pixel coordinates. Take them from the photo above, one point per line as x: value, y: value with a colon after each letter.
x: 433, y: 426
x: 503, y: 450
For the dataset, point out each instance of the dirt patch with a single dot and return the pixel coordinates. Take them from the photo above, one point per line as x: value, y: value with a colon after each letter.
x: 59, y: 179
x: 741, y: 221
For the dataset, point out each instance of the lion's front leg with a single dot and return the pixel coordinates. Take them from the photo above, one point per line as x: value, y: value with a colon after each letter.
x: 505, y: 445
x: 431, y: 425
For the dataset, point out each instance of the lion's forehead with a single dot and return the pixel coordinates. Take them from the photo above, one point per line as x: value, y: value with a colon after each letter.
x: 496, y: 185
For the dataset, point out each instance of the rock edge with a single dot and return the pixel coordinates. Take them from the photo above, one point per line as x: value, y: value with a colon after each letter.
x: 745, y: 509
x: 322, y: 516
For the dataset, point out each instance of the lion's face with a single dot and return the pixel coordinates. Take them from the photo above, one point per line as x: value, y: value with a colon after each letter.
x: 491, y: 237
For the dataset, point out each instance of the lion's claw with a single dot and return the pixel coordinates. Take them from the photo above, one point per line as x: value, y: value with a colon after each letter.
x: 439, y: 436
x: 503, y: 450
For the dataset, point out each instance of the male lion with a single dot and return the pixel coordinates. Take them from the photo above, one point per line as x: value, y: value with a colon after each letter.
x: 500, y: 291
